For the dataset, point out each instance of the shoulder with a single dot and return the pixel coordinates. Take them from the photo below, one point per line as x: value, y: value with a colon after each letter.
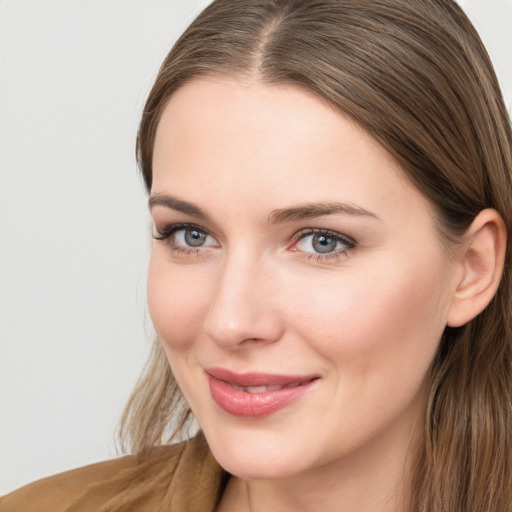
x: 140, y: 482
x: 58, y: 492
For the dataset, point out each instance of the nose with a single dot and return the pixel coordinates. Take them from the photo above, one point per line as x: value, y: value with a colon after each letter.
x: 245, y: 306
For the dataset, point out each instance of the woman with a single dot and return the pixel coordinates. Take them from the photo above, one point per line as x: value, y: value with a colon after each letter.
x: 330, y: 186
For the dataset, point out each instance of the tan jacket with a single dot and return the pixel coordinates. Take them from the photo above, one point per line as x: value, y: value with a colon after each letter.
x: 179, y: 478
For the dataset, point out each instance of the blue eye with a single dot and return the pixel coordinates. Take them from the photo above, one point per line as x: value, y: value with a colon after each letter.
x: 322, y: 242
x: 186, y: 237
x: 191, y: 237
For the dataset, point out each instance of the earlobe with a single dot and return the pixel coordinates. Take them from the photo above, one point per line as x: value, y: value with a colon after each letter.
x: 481, y: 260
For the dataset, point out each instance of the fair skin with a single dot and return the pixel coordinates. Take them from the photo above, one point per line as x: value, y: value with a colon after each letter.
x: 355, y: 291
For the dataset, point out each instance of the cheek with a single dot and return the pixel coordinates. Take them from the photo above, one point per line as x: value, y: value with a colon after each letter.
x: 381, y: 325
x: 177, y: 303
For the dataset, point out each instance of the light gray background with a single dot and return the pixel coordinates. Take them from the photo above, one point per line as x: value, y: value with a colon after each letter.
x: 74, y: 331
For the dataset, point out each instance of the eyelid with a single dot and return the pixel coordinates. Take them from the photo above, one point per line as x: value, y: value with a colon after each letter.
x: 170, y: 229
x: 350, y: 243
x: 167, y: 236
x: 323, y: 231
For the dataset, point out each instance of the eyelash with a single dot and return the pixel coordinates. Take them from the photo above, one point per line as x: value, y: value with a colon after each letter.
x: 168, y: 231
x: 349, y: 243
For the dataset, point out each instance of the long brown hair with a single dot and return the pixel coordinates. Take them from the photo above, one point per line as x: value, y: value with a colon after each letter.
x: 416, y: 76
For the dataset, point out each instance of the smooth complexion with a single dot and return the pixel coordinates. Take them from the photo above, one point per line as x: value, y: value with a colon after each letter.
x: 288, y: 242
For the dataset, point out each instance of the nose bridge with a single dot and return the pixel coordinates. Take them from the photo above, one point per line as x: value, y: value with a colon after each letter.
x: 241, y: 307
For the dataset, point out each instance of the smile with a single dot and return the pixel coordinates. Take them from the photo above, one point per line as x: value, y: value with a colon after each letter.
x: 256, y: 394
x: 263, y: 389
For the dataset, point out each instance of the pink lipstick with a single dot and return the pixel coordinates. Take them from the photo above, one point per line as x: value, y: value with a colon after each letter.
x: 256, y: 394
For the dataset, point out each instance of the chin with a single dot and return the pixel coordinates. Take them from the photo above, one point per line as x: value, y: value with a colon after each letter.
x: 254, y: 467
x: 255, y: 453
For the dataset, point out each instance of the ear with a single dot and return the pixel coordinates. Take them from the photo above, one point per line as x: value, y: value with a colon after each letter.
x: 481, y: 258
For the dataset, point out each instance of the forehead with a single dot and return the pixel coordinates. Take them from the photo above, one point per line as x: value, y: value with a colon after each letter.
x: 249, y: 141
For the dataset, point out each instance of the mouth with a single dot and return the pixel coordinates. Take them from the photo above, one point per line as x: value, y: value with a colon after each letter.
x: 263, y: 389
x: 256, y: 394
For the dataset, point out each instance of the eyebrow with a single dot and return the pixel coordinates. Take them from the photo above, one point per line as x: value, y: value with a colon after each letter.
x: 277, y: 216
x: 177, y: 204
x: 312, y: 210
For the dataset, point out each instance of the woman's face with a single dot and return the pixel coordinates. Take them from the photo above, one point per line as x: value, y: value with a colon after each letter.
x: 297, y: 281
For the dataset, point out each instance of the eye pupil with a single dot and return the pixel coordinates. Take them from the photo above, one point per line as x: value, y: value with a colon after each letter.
x: 323, y: 244
x: 194, y: 238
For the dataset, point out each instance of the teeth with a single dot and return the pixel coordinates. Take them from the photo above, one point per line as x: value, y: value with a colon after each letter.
x: 263, y: 389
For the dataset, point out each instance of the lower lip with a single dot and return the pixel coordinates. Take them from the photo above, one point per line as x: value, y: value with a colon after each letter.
x: 254, y: 405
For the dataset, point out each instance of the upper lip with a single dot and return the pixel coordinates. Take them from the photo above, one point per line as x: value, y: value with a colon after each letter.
x: 251, y: 379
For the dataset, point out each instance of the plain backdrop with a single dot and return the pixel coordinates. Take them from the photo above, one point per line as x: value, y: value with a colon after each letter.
x: 74, y: 230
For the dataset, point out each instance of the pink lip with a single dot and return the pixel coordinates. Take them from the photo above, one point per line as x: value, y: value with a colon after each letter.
x: 256, y: 404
